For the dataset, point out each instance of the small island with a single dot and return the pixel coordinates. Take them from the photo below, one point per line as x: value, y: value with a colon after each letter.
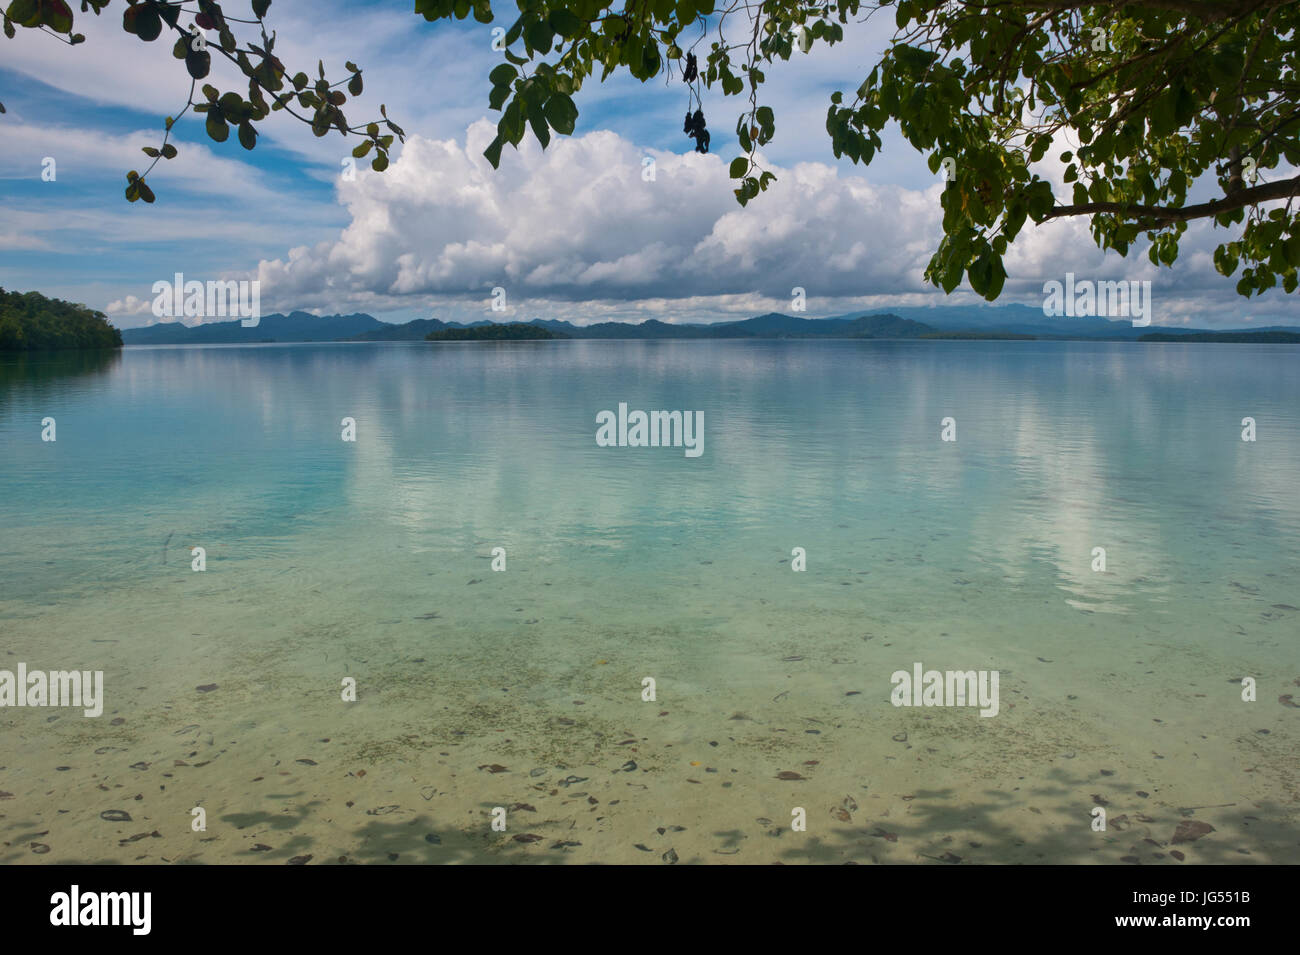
x: 31, y: 322
x: 976, y: 335
x: 512, y: 332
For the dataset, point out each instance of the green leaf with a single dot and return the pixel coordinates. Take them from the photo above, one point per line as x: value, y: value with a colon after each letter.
x: 739, y: 166
x: 380, y: 162
x: 538, y: 122
x: 217, y: 128
x: 493, y: 152
x: 561, y: 113
x: 260, y: 8
x: 26, y: 13
x: 57, y: 16
x: 361, y: 150
x: 231, y: 104
x: 247, y: 135
x: 538, y: 35
x: 148, y: 25
x: 503, y: 75
x: 169, y: 151
x: 511, y: 125
x: 198, y: 63
x: 566, y: 23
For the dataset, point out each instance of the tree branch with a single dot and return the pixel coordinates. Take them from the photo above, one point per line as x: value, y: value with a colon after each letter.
x: 1283, y: 189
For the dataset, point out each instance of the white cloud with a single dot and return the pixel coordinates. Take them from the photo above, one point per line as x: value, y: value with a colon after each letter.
x: 578, y: 222
x: 130, y: 305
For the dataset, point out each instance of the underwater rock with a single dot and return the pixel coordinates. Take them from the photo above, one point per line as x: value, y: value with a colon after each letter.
x: 1189, y: 830
x: 670, y: 857
x: 299, y: 860
x: 206, y: 687
x: 138, y: 836
x: 115, y: 815
x: 789, y: 775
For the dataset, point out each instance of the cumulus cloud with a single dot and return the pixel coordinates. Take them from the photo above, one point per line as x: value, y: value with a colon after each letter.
x: 584, y: 220
x: 130, y: 305
x: 581, y: 223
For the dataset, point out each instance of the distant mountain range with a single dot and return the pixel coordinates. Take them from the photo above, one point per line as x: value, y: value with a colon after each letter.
x: 295, y: 327
x: 1009, y: 321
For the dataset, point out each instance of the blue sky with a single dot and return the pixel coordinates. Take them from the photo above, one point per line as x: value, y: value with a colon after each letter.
x: 574, y: 233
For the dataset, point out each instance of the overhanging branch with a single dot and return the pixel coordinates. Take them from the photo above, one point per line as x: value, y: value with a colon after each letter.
x: 1283, y: 189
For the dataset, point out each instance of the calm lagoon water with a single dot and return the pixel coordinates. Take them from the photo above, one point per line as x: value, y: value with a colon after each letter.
x: 372, y: 560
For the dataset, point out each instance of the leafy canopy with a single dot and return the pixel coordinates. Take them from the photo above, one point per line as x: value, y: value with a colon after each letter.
x: 1148, y: 104
x: 208, y: 30
x: 1143, y: 102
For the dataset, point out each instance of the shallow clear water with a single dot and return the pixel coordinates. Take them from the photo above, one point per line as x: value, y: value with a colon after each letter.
x: 372, y: 560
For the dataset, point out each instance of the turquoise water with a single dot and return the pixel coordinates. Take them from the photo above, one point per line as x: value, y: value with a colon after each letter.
x: 373, y: 559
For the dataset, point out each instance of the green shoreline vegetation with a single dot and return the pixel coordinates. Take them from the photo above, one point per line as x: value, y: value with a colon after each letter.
x: 31, y: 322
x: 513, y: 331
x: 977, y: 335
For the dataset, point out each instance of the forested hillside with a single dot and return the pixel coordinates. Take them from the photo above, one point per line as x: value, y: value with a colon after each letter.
x: 31, y: 322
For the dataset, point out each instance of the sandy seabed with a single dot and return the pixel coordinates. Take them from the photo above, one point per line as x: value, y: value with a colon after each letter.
x: 523, y: 691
